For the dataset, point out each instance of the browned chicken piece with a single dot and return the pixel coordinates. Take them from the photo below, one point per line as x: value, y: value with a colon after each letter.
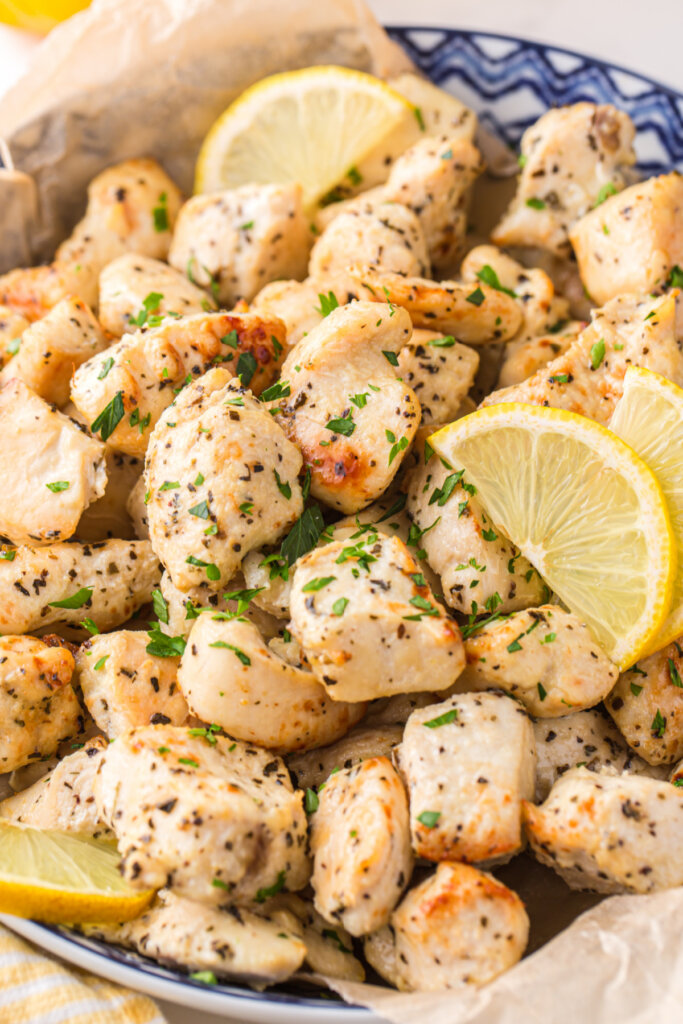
x: 38, y: 707
x: 54, y: 347
x: 51, y: 470
x: 475, y: 316
x: 123, y: 391
x: 237, y: 241
x: 63, y: 799
x: 134, y: 288
x: 106, y: 582
x: 361, y: 846
x: 222, y: 479
x: 124, y: 685
x: 231, y: 677
x: 609, y: 833
x: 572, y: 157
x: 469, y: 763
x: 132, y: 207
x: 647, y: 705
x: 459, y: 928
x: 347, y: 412
x: 633, y: 240
x: 588, y: 377
x: 213, y: 819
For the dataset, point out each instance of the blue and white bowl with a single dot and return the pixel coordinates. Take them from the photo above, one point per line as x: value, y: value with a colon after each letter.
x: 509, y: 82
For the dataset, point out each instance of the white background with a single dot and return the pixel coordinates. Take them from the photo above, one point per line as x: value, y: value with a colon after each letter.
x: 645, y: 37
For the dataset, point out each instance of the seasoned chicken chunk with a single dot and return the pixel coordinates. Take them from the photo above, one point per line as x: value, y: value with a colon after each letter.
x: 135, y: 287
x: 609, y: 833
x: 523, y: 358
x: 632, y: 241
x: 469, y: 763
x: 329, y: 951
x: 51, y: 471
x: 296, y: 303
x: 361, y: 846
x: 108, y: 516
x: 38, y: 707
x: 544, y: 657
x: 222, y: 479
x: 459, y: 927
x: 213, y: 819
x: 647, y: 705
x: 124, y: 685
x: 434, y: 179
x: 588, y: 377
x: 585, y: 738
x: 310, y: 769
x: 63, y: 799
x: 440, y: 371
x: 374, y: 233
x: 105, y: 582
x: 347, y: 413
x: 183, y: 607
x: 238, y: 240
x: 12, y: 326
x: 479, y: 569
x: 126, y: 388
x: 571, y: 159
x: 232, y: 942
x: 368, y: 623
x: 230, y: 676
x: 51, y: 350
x: 475, y: 316
x: 132, y: 207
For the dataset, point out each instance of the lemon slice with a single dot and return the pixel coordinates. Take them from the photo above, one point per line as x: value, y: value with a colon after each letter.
x: 312, y: 126
x: 63, y: 879
x: 649, y: 417
x: 582, y: 507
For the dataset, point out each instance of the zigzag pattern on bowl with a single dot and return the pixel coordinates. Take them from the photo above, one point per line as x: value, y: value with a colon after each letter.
x: 510, y: 82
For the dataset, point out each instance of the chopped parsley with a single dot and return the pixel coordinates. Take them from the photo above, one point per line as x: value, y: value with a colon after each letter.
x: 57, y: 486
x: 311, y: 801
x: 397, y: 446
x: 90, y: 626
x: 605, y: 192
x: 201, y: 511
x: 318, y: 583
x: 448, y: 341
x: 658, y: 726
x: 476, y: 297
x: 110, y: 417
x: 279, y: 390
x: 160, y: 214
x: 105, y: 368
x: 246, y: 368
x: 597, y: 353
x: 674, y: 674
x: 303, y: 536
x: 163, y: 646
x: 535, y: 204
x: 263, y: 894
x: 285, y: 488
x: 445, y: 719
x: 429, y: 818
x: 487, y: 275
x: 390, y: 357
x: 339, y: 606
x: 542, y: 692
x: 342, y: 425
x: 327, y: 303
x: 237, y: 651
x: 101, y: 662
x: 77, y: 600
x: 160, y: 605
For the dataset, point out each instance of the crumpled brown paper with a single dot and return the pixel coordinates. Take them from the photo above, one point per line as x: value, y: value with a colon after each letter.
x: 132, y: 78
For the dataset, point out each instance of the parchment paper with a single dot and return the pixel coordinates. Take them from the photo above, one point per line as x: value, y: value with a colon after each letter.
x: 130, y: 78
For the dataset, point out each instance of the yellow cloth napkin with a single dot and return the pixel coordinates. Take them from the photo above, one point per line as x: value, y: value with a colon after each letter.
x: 36, y: 989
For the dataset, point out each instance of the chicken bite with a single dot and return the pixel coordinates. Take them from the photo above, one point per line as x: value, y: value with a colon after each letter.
x: 544, y: 657
x: 329, y: 951
x: 135, y: 287
x: 124, y: 685
x: 51, y: 349
x: 524, y: 357
x: 632, y: 241
x: 440, y: 371
x: 480, y: 571
x: 589, y: 377
x: 238, y: 240
x: 63, y: 800
x: 106, y: 582
x: 647, y: 706
x: 231, y: 942
x: 222, y: 479
x: 311, y: 768
x: 609, y: 833
x: 368, y: 623
x: 572, y: 157
x: 460, y: 927
x: 51, y: 470
x: 183, y: 607
x: 213, y: 819
x: 585, y: 738
x: 346, y: 411
x: 361, y: 846
x: 296, y: 303
x: 469, y: 763
x: 230, y: 676
x: 123, y: 391
x: 475, y: 316
x: 38, y: 707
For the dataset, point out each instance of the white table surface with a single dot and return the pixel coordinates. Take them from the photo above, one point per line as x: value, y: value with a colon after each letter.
x: 643, y: 37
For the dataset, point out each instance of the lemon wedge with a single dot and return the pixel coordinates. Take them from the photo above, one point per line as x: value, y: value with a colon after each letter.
x: 39, y: 15
x: 649, y: 417
x: 60, y: 878
x: 312, y: 126
x: 582, y: 507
